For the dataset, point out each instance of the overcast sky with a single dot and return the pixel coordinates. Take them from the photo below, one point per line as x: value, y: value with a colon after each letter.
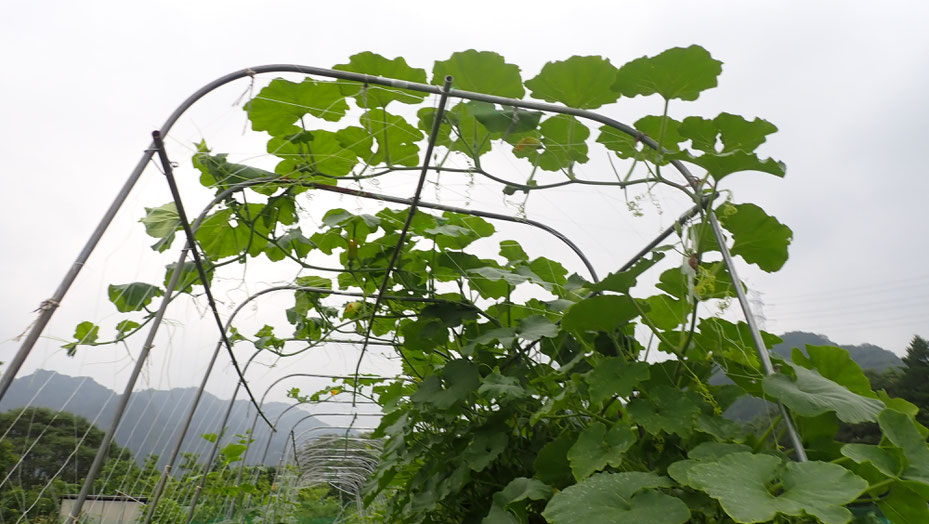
x: 85, y: 83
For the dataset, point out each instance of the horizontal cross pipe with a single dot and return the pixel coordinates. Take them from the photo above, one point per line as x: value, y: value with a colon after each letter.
x: 223, y: 195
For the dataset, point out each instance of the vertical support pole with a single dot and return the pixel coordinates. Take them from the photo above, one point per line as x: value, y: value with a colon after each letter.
x: 795, y: 439
x: 238, y: 476
x: 127, y: 392
x: 293, y: 442
x: 414, y: 203
x: 276, y: 482
x: 180, y: 439
x: 219, y: 435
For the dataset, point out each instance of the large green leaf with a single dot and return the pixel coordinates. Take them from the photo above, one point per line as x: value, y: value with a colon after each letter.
x: 884, y: 460
x: 124, y: 328
x: 457, y: 379
x: 520, y: 489
x: 705, y: 452
x: 812, y: 394
x: 480, y: 71
x: 319, y: 152
x: 512, y: 251
x: 615, y: 377
x: 742, y: 482
x: 666, y: 410
x: 582, y: 82
x: 502, y: 387
x: 494, y: 282
x: 596, y: 448
x: 85, y: 333
x: 666, y: 312
x: 291, y: 242
x: 282, y: 103
x: 397, y: 140
x: 189, y: 275
x: 487, y: 445
x: 663, y: 130
x: 161, y: 222
x: 757, y: 237
x: 551, y: 463
x: 901, y: 430
x: 676, y: 73
x: 564, y: 142
x: 903, y: 505
x: 733, y: 342
x: 735, y: 132
x: 133, y: 296
x: 468, y: 135
x: 607, y: 498
x: 547, y: 273
x: 219, y: 238
x: 835, y: 364
x: 505, y: 122
x: 719, y: 165
x: 218, y: 173
x: 375, y: 96
x: 599, y: 313
x: 535, y: 327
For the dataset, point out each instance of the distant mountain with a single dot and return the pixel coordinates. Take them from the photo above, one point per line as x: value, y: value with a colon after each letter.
x: 868, y: 356
x: 153, y: 418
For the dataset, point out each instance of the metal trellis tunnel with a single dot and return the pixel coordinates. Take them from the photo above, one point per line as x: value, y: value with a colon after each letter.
x: 444, y: 92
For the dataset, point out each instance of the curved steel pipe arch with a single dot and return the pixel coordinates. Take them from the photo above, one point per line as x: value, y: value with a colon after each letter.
x: 251, y: 430
x: 271, y: 435
x: 220, y: 197
x: 214, y: 448
x: 297, y: 423
x: 48, y: 307
x: 280, y: 467
x: 264, y: 455
x: 339, y: 435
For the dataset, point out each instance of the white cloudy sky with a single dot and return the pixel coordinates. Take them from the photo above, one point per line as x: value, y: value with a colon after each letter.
x: 85, y: 83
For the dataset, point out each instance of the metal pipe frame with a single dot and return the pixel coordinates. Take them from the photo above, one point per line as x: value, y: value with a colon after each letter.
x: 251, y: 430
x: 264, y: 454
x: 97, y: 464
x: 271, y: 435
x: 199, y: 489
x: 280, y: 468
x: 398, y: 247
x: 219, y: 434
x: 179, y: 441
x: 48, y: 307
x: 311, y: 454
x: 214, y: 448
x: 344, y: 435
x: 190, y: 414
x: 295, y: 437
x: 220, y: 197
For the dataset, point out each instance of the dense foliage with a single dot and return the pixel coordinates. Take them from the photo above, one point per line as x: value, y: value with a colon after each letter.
x: 532, y: 394
x: 43, y: 454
